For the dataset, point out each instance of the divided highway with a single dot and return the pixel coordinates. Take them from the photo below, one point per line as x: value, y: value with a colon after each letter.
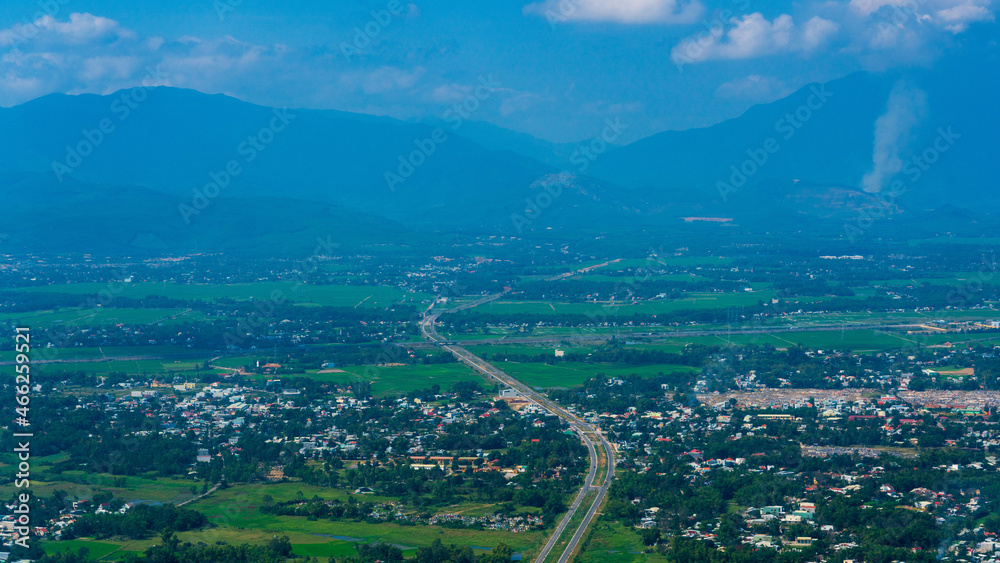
x: 584, y: 430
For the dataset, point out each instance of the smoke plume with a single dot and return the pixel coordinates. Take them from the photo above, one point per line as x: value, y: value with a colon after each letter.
x: 905, y: 109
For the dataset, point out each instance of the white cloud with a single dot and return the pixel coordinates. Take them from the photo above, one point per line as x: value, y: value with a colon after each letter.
x: 92, y: 54
x: 518, y: 102
x: 382, y: 79
x: 754, y: 88
x: 869, y: 7
x: 619, y: 11
x: 752, y: 36
x: 85, y: 53
x: 951, y: 15
x: 450, y: 93
x: 816, y: 32
x: 956, y: 19
x: 78, y: 30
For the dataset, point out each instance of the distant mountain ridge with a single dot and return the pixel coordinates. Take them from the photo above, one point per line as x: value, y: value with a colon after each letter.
x: 181, y: 169
x: 832, y: 145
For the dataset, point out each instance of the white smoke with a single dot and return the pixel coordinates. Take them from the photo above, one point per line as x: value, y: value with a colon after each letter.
x: 904, y: 110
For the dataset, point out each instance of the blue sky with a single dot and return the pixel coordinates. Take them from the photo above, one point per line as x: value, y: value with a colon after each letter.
x: 563, y: 66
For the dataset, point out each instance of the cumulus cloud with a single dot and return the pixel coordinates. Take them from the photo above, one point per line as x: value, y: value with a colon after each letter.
x: 79, y: 29
x: 450, y: 93
x: 951, y: 15
x: 881, y: 33
x: 956, y: 19
x: 887, y: 33
x: 869, y: 7
x: 619, y: 11
x: 753, y: 35
x: 84, y: 53
x: 518, y: 102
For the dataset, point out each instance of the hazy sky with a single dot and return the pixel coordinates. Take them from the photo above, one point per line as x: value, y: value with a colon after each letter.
x: 562, y: 66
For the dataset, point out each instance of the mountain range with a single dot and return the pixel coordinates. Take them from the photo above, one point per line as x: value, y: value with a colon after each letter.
x: 166, y: 169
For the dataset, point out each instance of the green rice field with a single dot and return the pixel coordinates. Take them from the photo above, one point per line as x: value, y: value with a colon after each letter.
x: 330, y: 295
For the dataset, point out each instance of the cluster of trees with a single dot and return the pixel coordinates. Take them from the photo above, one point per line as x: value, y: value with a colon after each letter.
x: 439, y: 553
x: 123, y: 454
x: 129, y: 444
x: 140, y: 522
x: 435, y: 553
x: 316, y: 508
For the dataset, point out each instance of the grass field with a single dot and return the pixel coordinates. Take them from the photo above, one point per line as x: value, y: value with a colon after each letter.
x: 571, y: 374
x: 333, y: 295
x: 107, y: 351
x: 946, y: 278
x: 304, y: 545
x: 100, y: 316
x: 402, y: 379
x: 96, y: 549
x: 81, y: 486
x: 896, y: 317
x: 803, y: 320
x: 385, y: 380
x: 603, y: 310
x: 860, y: 341
x: 857, y: 340
x: 640, y: 276
x: 236, y: 511
x: 335, y: 548
x: 614, y: 543
x: 670, y: 261
x: 548, y: 350
x: 128, y: 367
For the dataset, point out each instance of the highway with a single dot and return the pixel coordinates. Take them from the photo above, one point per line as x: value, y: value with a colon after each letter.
x: 582, y: 428
x: 602, y: 492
